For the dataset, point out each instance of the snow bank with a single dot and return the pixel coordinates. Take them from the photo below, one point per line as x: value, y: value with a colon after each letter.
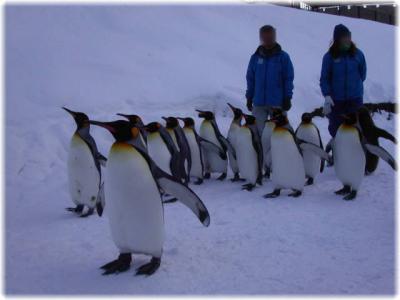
x: 168, y: 60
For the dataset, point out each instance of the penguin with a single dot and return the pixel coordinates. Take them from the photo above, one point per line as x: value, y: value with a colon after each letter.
x: 371, y: 133
x: 179, y: 137
x: 212, y: 161
x: 134, y: 207
x: 162, y: 149
x: 349, y: 149
x: 309, y: 132
x: 287, y: 160
x: 269, y: 126
x: 137, y: 121
x: 84, y: 168
x: 249, y: 153
x: 232, y: 137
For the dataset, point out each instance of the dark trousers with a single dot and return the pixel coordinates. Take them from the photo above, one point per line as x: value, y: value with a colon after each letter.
x: 340, y: 108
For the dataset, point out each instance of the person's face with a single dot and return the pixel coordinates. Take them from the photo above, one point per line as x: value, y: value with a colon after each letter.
x: 346, y: 40
x: 267, y: 38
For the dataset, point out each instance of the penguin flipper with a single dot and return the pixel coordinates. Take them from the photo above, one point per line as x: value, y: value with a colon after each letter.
x: 381, y: 153
x: 210, y: 146
x: 184, y: 194
x: 172, y: 186
x: 100, y: 203
x: 315, y: 149
x: 229, y: 147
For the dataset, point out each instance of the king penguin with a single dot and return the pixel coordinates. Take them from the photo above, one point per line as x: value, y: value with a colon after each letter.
x: 349, y: 149
x: 287, y: 160
x: 249, y: 153
x: 309, y: 132
x: 162, y: 149
x: 137, y: 121
x: 134, y: 207
x: 179, y: 138
x: 372, y: 133
x: 212, y: 161
x: 232, y: 137
x: 84, y: 170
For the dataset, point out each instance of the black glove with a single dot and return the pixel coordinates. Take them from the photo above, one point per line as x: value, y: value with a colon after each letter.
x: 287, y: 103
x: 249, y: 104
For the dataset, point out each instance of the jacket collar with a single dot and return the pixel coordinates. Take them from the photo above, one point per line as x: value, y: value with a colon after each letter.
x: 263, y: 52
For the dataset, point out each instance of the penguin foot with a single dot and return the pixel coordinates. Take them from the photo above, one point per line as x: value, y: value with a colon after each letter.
x: 295, y: 194
x: 198, y: 181
x: 259, y: 180
x: 236, y: 177
x: 122, y: 264
x: 207, y: 176
x: 248, y: 187
x: 88, y: 213
x: 222, y: 177
x: 267, y: 173
x: 78, y: 209
x: 149, y: 268
x: 274, y: 194
x: 351, y: 196
x: 172, y: 200
x: 310, y: 181
x: 343, y: 191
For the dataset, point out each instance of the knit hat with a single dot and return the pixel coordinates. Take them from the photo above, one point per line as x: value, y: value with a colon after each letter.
x: 340, y: 31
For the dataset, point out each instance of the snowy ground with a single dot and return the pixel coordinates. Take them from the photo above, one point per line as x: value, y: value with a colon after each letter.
x: 112, y: 59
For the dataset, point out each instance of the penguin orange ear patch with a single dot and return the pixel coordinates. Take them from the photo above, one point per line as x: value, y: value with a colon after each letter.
x: 134, y: 132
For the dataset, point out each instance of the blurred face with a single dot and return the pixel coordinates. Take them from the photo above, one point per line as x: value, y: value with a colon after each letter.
x: 268, y: 39
x: 345, y: 41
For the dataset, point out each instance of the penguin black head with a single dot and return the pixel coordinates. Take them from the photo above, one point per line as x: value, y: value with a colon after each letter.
x: 306, y: 118
x: 81, y: 119
x: 365, y: 118
x: 279, y: 118
x: 189, y: 122
x: 152, y: 127
x: 121, y: 130
x: 237, y: 112
x: 134, y: 119
x: 208, y: 115
x: 250, y: 119
x: 171, y: 122
x: 350, y: 118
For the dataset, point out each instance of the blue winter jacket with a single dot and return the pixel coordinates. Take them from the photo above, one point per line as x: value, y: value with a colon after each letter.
x: 269, y: 78
x: 342, y: 77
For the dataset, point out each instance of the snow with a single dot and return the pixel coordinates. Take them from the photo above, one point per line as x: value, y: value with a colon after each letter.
x: 168, y: 60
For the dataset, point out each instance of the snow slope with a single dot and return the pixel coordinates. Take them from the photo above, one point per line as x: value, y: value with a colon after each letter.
x: 168, y: 60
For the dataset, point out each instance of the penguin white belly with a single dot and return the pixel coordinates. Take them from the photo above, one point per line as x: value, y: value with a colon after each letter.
x: 173, y: 136
x: 196, y: 169
x: 232, y: 137
x: 287, y: 163
x: 348, y: 157
x: 213, y: 162
x: 312, y: 162
x: 266, y: 143
x: 134, y: 205
x: 247, y: 156
x: 158, y: 151
x: 83, y: 176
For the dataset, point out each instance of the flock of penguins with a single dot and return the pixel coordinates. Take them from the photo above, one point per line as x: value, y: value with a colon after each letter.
x: 152, y: 164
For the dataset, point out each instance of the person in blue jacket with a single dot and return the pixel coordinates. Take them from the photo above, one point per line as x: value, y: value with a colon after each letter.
x: 342, y: 75
x: 269, y: 78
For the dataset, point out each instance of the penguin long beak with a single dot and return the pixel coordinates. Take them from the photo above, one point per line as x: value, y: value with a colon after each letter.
x: 164, y: 118
x: 72, y: 113
x: 105, y: 125
x: 123, y: 115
